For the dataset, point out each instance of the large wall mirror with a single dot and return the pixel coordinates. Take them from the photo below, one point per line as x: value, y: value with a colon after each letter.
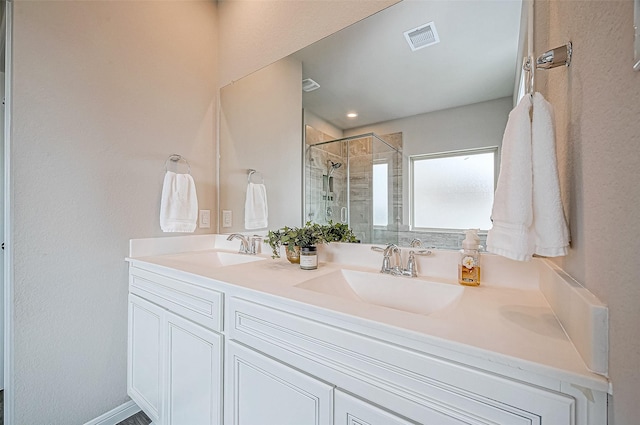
x: 402, y: 137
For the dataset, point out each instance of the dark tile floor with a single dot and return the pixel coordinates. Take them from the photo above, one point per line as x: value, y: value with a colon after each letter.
x: 138, y: 419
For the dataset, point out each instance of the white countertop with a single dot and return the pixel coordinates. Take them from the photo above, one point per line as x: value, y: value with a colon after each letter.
x: 496, y: 328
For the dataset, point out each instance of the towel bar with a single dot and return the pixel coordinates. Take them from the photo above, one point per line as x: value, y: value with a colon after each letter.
x: 556, y: 57
x: 550, y: 59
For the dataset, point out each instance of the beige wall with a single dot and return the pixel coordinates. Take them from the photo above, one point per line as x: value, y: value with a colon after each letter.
x: 103, y: 92
x: 260, y: 128
x: 597, y: 103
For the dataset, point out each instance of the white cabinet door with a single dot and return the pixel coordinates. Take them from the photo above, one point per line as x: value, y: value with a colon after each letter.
x: 350, y: 410
x: 194, y: 374
x: 145, y: 362
x: 266, y: 392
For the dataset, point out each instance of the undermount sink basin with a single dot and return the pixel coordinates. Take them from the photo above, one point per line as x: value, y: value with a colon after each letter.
x: 213, y: 258
x: 413, y: 295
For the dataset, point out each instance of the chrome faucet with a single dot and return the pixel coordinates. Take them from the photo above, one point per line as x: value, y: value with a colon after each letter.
x: 248, y: 245
x: 389, y: 267
x: 244, y: 242
x: 393, y: 266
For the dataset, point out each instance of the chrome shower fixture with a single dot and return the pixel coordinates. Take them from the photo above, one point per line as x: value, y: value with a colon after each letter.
x: 332, y: 166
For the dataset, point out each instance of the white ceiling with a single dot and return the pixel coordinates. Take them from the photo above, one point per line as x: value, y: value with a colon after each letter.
x: 370, y: 69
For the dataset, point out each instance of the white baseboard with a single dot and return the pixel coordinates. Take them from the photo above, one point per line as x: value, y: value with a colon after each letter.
x: 116, y: 415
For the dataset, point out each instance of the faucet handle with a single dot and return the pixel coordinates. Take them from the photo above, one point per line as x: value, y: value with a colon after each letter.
x: 254, y: 243
x: 412, y: 268
x: 416, y: 243
x: 386, y: 260
x: 421, y: 252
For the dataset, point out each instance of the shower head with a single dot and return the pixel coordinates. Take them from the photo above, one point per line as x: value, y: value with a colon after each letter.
x: 332, y: 166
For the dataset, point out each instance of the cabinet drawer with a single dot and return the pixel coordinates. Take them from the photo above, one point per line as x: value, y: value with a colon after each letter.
x: 203, y: 306
x: 416, y: 385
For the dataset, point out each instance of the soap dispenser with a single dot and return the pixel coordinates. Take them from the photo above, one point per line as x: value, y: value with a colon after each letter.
x: 469, y: 266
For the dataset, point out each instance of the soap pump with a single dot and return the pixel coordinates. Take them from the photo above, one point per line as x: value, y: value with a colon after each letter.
x: 469, y: 266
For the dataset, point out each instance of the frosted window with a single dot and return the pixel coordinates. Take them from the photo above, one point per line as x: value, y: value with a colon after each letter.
x: 380, y: 194
x: 453, y: 192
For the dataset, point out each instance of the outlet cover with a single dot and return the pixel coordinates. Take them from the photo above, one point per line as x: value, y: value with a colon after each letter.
x: 227, y: 220
x: 205, y: 219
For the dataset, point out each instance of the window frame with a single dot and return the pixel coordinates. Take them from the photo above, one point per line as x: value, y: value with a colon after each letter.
x: 385, y: 162
x: 473, y: 151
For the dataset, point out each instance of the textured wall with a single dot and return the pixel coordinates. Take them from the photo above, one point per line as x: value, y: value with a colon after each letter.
x: 597, y: 103
x: 103, y: 92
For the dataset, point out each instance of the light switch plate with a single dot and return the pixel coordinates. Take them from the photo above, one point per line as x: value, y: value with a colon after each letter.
x: 227, y: 218
x: 205, y: 219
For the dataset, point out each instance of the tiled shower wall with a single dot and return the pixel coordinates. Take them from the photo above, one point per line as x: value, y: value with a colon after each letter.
x: 323, y: 204
x: 357, y: 157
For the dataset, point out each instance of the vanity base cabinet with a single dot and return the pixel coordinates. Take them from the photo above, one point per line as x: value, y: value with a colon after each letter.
x: 285, y: 365
x: 144, y: 365
x: 263, y: 391
x: 422, y: 388
x: 174, y: 370
x: 193, y: 374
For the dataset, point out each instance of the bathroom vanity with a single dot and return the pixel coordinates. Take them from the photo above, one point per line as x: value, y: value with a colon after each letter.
x: 217, y: 337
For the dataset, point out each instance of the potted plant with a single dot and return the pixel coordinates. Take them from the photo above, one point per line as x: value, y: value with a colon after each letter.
x: 338, y: 232
x: 308, y: 235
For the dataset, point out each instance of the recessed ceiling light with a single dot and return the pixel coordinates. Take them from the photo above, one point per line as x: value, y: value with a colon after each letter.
x: 352, y: 115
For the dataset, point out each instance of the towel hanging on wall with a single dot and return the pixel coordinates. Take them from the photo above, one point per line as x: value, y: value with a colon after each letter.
x: 256, y: 211
x: 179, y: 204
x: 527, y: 214
x: 512, y: 214
x: 550, y: 231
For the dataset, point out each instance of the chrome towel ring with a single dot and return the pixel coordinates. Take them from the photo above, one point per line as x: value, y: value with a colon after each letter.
x: 175, y: 158
x: 251, y: 173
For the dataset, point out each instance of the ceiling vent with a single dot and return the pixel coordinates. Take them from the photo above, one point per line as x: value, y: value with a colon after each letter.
x: 309, y: 85
x: 422, y: 36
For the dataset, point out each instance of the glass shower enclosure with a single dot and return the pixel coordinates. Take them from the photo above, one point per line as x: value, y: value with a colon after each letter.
x: 355, y: 180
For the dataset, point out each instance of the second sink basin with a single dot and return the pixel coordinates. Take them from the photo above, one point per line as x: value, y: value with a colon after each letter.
x: 413, y: 295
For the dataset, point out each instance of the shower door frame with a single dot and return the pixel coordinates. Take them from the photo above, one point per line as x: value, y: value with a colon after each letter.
x: 347, y: 139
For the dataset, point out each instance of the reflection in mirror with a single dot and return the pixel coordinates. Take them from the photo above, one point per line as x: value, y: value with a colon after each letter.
x: 454, y: 95
x: 355, y: 180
